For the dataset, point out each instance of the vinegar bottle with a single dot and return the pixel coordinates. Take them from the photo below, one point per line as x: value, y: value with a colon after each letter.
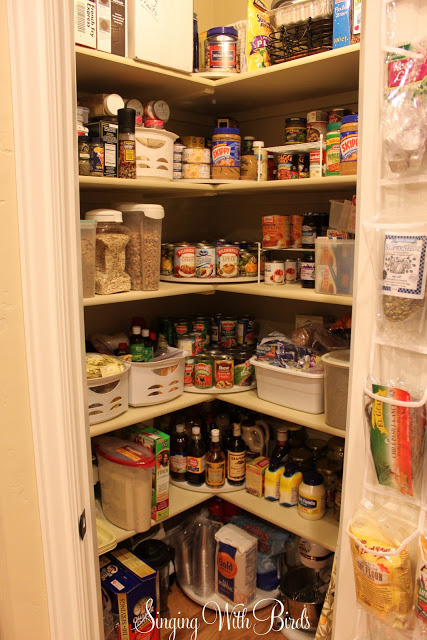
x: 236, y: 457
x: 215, y: 462
x: 196, y: 459
x: 179, y: 446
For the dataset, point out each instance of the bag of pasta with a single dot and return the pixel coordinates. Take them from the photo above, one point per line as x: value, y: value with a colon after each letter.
x: 257, y: 36
x: 379, y: 541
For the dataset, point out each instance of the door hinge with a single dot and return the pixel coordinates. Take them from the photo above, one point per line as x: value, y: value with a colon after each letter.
x: 82, y: 524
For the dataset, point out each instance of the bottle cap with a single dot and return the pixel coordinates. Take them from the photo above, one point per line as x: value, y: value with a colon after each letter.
x: 123, y: 345
x: 215, y: 435
x: 179, y: 428
x: 258, y: 143
x: 312, y: 478
x: 195, y: 431
x: 145, y: 333
x: 236, y: 429
x: 136, y: 331
x: 126, y: 118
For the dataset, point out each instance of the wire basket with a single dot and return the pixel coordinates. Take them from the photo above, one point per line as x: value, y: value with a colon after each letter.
x: 300, y: 40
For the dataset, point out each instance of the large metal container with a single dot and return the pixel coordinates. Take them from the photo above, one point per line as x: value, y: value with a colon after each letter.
x: 301, y: 598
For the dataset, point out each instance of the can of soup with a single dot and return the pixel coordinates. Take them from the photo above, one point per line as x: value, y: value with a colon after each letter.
x: 246, y: 330
x: 184, y: 260
x: 205, y: 260
x: 228, y: 329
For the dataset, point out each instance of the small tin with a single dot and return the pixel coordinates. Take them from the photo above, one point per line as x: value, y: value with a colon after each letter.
x: 275, y: 272
x: 336, y: 115
x: 177, y: 175
x: 295, y: 130
x: 202, y: 324
x: 228, y: 329
x: 184, y: 264
x: 187, y: 343
x: 177, y: 156
x: 246, y: 330
x: 177, y: 166
x: 189, y: 372
x: 248, y: 263
x: 287, y: 167
x: 198, y: 341
x: 224, y: 371
x: 167, y: 258
x: 317, y: 167
x: 290, y: 271
x: 216, y: 329
x: 205, y: 261
x: 227, y: 261
x: 303, y: 165
x: 203, y: 371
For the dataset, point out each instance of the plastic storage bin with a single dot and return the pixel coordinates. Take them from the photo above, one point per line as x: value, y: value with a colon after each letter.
x: 293, y: 13
x: 334, y: 266
x: 88, y: 242
x: 342, y: 215
x: 108, y: 397
x: 154, y: 153
x: 294, y: 389
x: 156, y: 382
x: 125, y: 470
x: 144, y: 222
x: 336, y: 368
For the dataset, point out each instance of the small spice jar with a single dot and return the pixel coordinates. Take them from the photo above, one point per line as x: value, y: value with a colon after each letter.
x: 330, y: 470
x: 311, y: 496
x: 221, y: 49
x: 127, y: 155
x: 336, y: 449
x: 349, y: 136
x: 84, y: 155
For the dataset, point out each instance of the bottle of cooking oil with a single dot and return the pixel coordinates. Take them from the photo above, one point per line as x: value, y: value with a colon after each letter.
x: 236, y: 457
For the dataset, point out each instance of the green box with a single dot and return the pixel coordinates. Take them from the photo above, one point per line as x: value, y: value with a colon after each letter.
x: 159, y: 444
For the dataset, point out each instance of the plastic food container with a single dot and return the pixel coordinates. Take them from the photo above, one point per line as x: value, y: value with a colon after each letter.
x: 108, y: 397
x: 294, y: 389
x: 88, y: 240
x: 156, y: 382
x: 334, y: 266
x: 154, y: 153
x: 125, y: 470
x: 221, y: 49
x: 343, y: 215
x: 293, y: 13
x: 337, y: 368
x: 144, y: 222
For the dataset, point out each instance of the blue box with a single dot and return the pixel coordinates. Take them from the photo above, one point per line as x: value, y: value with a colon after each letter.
x: 342, y: 23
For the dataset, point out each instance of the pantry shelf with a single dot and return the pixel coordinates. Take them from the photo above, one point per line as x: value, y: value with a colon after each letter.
x: 165, y: 290
x: 140, y: 414
x: 165, y: 188
x: 250, y: 400
x: 330, y: 184
x: 287, y: 291
x: 323, y: 531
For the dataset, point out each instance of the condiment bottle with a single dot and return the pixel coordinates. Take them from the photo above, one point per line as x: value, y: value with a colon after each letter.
x: 282, y: 447
x: 215, y: 462
x: 272, y: 479
x: 311, y: 496
x: 179, y: 445
x: 126, y: 151
x: 248, y: 166
x: 236, y: 457
x: 308, y: 271
x: 122, y: 350
x: 261, y: 155
x: 309, y: 231
x: 148, y: 346
x: 196, y: 459
x: 349, y: 133
x: 84, y: 155
x: 137, y: 345
x: 290, y: 481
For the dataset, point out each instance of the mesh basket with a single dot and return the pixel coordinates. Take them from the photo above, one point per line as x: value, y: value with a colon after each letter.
x: 300, y: 40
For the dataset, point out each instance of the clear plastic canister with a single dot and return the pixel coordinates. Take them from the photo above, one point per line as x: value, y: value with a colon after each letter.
x: 88, y: 240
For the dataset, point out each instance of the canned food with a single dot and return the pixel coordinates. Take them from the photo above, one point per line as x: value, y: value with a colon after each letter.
x: 193, y: 142
x: 205, y: 260
x: 203, y: 371
x: 184, y: 260
x: 290, y: 271
x: 198, y: 341
x: 177, y: 175
x: 202, y: 324
x: 228, y: 332
x: 177, y: 166
x: 178, y: 147
x: 246, y: 330
x: 216, y: 328
x: 165, y: 329
x: 243, y: 369
x: 275, y: 272
x: 167, y: 259
x: 303, y: 165
x: 196, y: 156
x: 287, y: 168
x: 157, y: 110
x: 316, y: 167
x: 248, y: 263
x: 227, y: 261
x: 193, y: 171
x: 177, y: 156
x: 296, y: 231
x: 182, y: 327
x: 224, y: 371
x: 336, y: 115
x: 186, y: 343
x: 317, y: 122
x: 189, y: 372
x: 295, y: 130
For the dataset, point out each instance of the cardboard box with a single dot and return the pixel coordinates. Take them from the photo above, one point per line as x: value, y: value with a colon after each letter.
x: 111, y: 26
x: 159, y: 443
x: 129, y: 589
x: 342, y: 27
x: 108, y: 132
x: 236, y: 562
x: 255, y: 474
x: 85, y: 23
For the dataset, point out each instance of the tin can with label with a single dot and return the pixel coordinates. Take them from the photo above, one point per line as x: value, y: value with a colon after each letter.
x: 227, y: 261
x: 203, y: 371
x: 243, y: 369
x: 182, y: 328
x: 205, y: 260
x: 184, y: 260
x: 187, y: 343
x: 317, y: 168
x: 290, y: 271
x: 246, y: 330
x: 167, y: 259
x: 198, y: 341
x: 296, y: 231
x: 303, y: 165
x: 228, y: 328
x: 224, y: 371
x: 202, y: 324
x: 216, y: 329
x: 287, y: 167
x: 166, y: 330
x: 275, y: 272
x: 248, y: 263
x: 189, y: 372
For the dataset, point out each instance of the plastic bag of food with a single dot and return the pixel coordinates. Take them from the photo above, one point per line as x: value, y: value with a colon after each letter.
x: 278, y: 350
x: 102, y: 366
x: 421, y: 588
x: 257, y: 36
x: 316, y: 337
x: 380, y: 540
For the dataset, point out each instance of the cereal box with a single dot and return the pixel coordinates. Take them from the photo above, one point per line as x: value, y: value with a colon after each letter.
x: 159, y: 443
x: 255, y: 473
x: 276, y: 232
x: 236, y: 563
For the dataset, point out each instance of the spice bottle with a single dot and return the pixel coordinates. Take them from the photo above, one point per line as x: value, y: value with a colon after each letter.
x: 215, y: 462
x: 289, y: 485
x: 127, y: 156
x: 137, y: 345
x: 196, y: 459
x: 179, y: 446
x: 236, y: 457
x: 307, y: 271
x: 148, y: 345
x: 84, y: 155
x: 261, y: 155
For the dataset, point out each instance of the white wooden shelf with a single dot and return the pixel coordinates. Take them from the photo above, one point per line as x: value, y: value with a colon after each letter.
x: 161, y: 188
x: 286, y: 291
x: 330, y: 183
x: 165, y: 290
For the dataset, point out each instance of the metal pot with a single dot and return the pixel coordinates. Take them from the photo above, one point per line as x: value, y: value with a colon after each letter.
x: 297, y: 581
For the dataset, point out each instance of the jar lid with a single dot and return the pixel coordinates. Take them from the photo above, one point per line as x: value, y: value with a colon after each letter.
x: 104, y: 215
x: 223, y: 31
x: 155, y: 211
x: 223, y: 130
x: 124, y: 452
x: 338, y: 358
x: 313, y: 478
x: 353, y: 118
x: 334, y: 126
x: 290, y: 469
x: 88, y: 224
x: 152, y: 122
x: 112, y: 103
x: 258, y: 143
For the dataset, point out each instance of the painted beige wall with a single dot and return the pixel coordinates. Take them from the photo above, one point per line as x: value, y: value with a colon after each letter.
x: 216, y: 13
x: 23, y: 604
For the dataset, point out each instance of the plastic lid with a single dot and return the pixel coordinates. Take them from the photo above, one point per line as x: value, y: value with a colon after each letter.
x: 150, y: 123
x: 339, y: 358
x: 222, y: 31
x: 248, y: 138
x: 104, y: 215
x: 353, y: 118
x: 124, y: 452
x: 153, y: 552
x: 179, y: 428
x: 126, y: 118
x: 312, y: 478
x: 90, y: 224
x: 195, y: 431
x: 215, y: 435
x: 223, y: 130
x: 113, y: 103
x: 258, y: 143
x: 290, y: 469
x: 334, y: 126
x: 155, y: 211
x: 145, y: 333
x: 134, y: 103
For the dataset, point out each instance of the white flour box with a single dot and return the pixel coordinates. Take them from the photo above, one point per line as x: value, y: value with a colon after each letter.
x: 236, y: 557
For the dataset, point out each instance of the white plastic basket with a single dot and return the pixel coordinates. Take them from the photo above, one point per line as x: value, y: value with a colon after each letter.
x: 156, y: 382
x: 108, y: 397
x: 154, y: 153
x: 294, y: 389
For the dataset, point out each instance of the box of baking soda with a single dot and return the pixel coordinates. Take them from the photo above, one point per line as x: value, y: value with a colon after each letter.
x: 159, y: 444
x: 236, y: 558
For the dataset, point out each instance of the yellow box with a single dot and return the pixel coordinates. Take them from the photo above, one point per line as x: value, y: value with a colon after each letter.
x: 255, y: 472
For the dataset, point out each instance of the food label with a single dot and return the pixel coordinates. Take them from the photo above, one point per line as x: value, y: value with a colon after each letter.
x: 236, y: 462
x: 275, y: 232
x: 226, y: 153
x: 311, y: 505
x: 222, y: 56
x: 404, y: 268
x: 189, y: 372
x: 227, y: 262
x: 243, y: 374
x: 290, y: 271
x: 205, y: 263
x: 196, y: 465
x: 185, y: 262
x: 203, y: 375
x: 215, y: 474
x: 181, y: 329
x: 137, y: 352
x: 224, y: 374
x: 228, y: 333
x: 349, y: 146
x: 421, y: 583
x: 178, y: 462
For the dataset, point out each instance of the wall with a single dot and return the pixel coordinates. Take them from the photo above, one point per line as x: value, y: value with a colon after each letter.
x: 23, y: 604
x: 214, y: 13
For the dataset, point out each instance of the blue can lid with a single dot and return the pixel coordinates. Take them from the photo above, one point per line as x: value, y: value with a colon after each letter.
x: 312, y: 477
x: 231, y: 130
x: 353, y: 118
x: 222, y: 31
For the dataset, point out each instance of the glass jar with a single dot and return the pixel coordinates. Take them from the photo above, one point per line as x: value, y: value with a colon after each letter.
x: 221, y: 50
x: 110, y: 251
x: 249, y: 165
x: 84, y: 155
x: 336, y: 449
x: 330, y: 470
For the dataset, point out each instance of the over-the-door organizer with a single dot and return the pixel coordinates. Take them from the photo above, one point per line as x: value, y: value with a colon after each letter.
x: 388, y: 530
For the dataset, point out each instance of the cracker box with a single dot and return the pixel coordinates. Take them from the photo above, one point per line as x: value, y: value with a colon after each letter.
x: 236, y: 562
x: 108, y: 132
x: 85, y: 23
x: 255, y: 474
x: 159, y: 443
x: 111, y: 26
x: 129, y: 589
x: 342, y: 27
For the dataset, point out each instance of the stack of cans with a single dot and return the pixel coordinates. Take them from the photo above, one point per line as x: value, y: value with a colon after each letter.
x: 178, y: 149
